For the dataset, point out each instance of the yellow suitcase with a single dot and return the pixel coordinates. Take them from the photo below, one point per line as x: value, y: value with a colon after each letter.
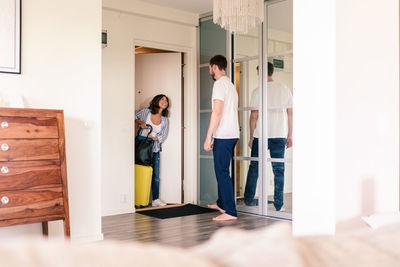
x: 143, y: 176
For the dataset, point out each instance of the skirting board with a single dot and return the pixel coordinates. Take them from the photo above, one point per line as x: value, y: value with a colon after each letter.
x: 118, y: 212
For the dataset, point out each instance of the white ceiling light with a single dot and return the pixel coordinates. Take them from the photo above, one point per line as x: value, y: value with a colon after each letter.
x: 238, y: 15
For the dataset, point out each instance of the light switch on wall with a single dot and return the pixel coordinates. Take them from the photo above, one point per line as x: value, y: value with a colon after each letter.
x: 88, y: 124
x: 123, y: 198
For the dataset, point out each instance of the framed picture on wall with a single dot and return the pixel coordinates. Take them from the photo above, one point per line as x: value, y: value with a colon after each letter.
x: 10, y: 36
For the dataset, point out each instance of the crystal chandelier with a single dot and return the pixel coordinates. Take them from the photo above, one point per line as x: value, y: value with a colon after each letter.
x: 238, y: 16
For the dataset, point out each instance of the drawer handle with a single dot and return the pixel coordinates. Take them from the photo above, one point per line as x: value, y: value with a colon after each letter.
x: 4, y: 124
x: 4, y: 169
x: 4, y: 200
x: 4, y: 147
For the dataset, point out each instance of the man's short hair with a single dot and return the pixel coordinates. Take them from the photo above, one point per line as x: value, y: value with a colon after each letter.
x: 270, y: 69
x: 219, y: 61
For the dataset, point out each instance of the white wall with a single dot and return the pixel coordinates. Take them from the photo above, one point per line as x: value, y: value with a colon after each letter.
x: 367, y: 105
x: 314, y: 117
x: 61, y: 69
x: 129, y: 23
x: 346, y: 117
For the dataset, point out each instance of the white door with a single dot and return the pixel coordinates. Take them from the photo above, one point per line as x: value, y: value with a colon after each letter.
x: 161, y: 74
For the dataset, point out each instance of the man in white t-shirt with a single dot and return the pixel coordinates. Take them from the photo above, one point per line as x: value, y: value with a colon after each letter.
x: 280, y: 125
x: 222, y: 136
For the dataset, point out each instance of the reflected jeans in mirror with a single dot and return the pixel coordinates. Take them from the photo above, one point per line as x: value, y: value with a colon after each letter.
x: 277, y: 150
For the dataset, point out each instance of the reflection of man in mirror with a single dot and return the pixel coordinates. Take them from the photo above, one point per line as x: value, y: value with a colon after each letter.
x: 280, y: 125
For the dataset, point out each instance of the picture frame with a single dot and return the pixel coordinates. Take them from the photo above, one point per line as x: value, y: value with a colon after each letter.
x: 10, y: 33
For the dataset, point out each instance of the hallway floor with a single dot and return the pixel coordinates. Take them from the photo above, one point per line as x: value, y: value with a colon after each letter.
x: 184, y: 231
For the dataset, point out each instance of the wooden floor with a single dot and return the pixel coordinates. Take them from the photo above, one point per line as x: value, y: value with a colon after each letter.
x: 181, y: 231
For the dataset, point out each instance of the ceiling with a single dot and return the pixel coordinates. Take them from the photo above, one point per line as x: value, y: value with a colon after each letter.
x: 193, y: 6
x: 280, y: 14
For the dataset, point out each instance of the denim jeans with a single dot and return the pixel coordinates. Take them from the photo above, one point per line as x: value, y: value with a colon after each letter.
x: 276, y: 147
x: 223, y: 152
x: 155, y: 180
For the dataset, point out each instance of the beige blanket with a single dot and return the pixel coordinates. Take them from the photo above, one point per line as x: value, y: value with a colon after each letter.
x: 271, y: 246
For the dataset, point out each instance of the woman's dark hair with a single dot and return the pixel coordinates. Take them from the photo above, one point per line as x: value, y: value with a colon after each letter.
x: 154, y: 107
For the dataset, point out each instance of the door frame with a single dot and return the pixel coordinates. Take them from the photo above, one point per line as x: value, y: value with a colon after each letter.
x: 189, y: 161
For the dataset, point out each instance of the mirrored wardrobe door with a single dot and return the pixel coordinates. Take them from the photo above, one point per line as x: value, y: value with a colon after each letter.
x: 278, y: 64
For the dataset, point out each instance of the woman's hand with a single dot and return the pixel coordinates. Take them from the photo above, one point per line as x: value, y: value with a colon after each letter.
x: 154, y: 138
x: 142, y: 125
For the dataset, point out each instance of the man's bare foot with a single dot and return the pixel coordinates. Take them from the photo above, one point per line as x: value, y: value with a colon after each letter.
x: 224, y: 217
x: 215, y: 207
x: 282, y: 209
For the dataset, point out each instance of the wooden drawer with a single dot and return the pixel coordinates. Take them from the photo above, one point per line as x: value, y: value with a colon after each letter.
x: 28, y: 149
x: 31, y: 203
x: 28, y: 127
x: 20, y: 175
x: 33, y: 183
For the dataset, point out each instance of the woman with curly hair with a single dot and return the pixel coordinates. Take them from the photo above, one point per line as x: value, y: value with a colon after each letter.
x: 156, y: 116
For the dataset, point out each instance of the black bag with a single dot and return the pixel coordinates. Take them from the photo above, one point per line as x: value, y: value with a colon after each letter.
x: 144, y: 148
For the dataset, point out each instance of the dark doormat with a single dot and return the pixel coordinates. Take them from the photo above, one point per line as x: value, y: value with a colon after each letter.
x: 166, y: 213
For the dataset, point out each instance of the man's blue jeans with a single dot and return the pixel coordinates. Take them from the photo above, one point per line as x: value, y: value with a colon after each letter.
x: 276, y: 147
x: 155, y: 181
x: 223, y: 152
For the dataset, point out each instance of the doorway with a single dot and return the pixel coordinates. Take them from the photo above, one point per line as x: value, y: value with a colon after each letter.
x: 159, y: 71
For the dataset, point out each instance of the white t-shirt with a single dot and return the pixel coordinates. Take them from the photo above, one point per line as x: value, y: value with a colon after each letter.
x: 228, y: 126
x: 156, y: 128
x: 280, y: 98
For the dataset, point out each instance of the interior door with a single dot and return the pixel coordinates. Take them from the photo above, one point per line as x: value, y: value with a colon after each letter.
x: 155, y: 74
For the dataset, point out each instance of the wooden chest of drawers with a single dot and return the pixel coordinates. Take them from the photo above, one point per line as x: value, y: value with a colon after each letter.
x: 33, y: 176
